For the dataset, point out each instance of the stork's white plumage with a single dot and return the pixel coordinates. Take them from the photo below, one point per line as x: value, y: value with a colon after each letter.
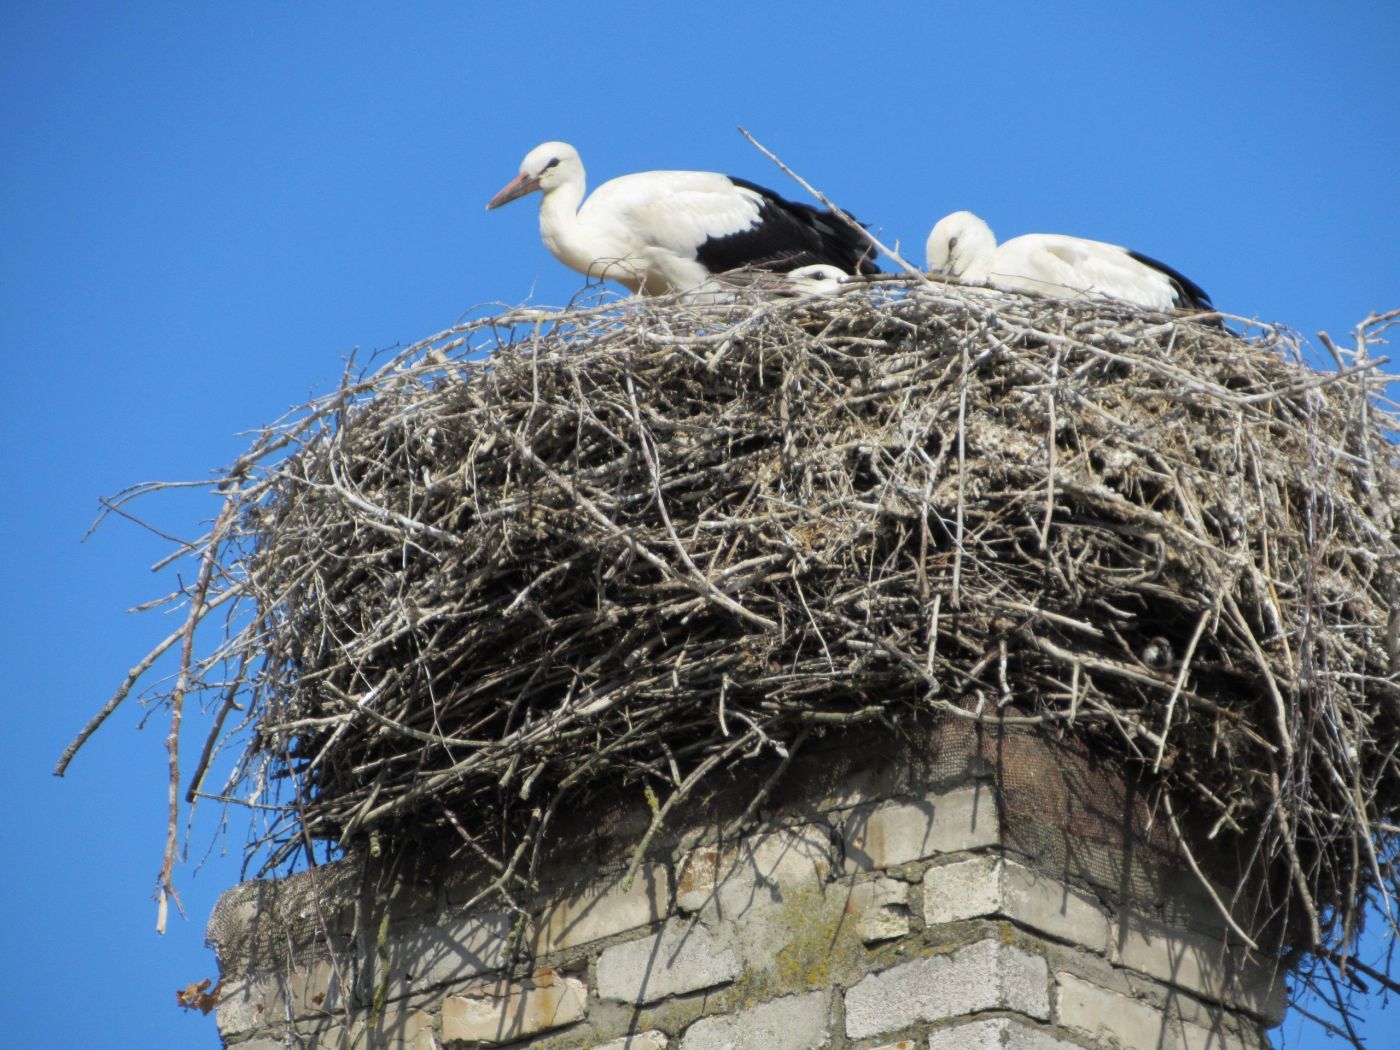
x: 664, y: 231
x: 963, y: 246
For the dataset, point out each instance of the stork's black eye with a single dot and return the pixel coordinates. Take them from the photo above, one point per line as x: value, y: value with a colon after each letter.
x: 551, y: 164
x: 952, y: 242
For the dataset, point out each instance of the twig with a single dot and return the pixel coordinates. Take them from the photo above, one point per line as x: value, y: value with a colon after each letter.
x: 165, y: 885
x: 912, y: 271
x: 1182, y: 672
x: 1201, y: 878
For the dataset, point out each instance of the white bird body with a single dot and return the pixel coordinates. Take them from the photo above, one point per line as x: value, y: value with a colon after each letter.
x: 662, y: 231
x: 1052, y: 264
x: 669, y: 215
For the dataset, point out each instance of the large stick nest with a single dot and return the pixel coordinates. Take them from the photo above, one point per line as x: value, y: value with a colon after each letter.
x: 643, y: 541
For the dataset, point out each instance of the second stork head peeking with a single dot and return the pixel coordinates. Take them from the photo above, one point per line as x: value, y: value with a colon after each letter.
x: 668, y: 231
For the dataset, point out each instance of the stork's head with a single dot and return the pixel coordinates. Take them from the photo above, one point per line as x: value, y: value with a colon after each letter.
x: 956, y: 242
x: 819, y: 279
x: 544, y: 167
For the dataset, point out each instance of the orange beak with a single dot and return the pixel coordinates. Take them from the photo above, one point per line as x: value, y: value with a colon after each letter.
x: 517, y: 187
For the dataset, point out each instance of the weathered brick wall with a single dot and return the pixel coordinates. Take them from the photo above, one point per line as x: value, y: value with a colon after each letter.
x: 875, y: 906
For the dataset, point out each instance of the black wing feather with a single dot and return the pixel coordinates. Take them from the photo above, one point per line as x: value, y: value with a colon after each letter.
x: 787, y: 235
x: 1188, y: 292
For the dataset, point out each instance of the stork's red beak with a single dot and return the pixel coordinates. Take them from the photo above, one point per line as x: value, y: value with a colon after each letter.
x: 517, y: 187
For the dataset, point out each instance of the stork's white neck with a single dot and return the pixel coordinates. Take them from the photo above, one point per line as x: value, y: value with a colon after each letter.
x: 971, y: 256
x: 560, y: 227
x: 974, y: 266
x: 590, y: 248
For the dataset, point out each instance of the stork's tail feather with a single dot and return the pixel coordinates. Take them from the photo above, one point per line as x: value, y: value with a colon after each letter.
x: 812, y: 236
x: 1188, y: 293
x: 845, y: 246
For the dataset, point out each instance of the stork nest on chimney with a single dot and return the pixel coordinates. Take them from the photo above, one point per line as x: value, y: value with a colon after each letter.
x: 637, y: 542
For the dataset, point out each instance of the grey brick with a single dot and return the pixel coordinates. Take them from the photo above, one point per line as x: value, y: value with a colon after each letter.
x: 651, y: 1040
x: 511, y: 1010
x: 963, y: 889
x: 881, y: 909
x: 899, y: 832
x: 682, y: 957
x: 730, y: 879
x: 797, y: 1022
x: 458, y: 949
x: 998, y: 1033
x: 994, y: 886
x: 1199, y: 964
x: 1098, y: 1012
x: 987, y: 975
x: 1188, y: 1036
x: 604, y: 908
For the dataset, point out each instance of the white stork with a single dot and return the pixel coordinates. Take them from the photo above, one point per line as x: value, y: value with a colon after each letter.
x: 963, y: 246
x: 819, y: 280
x: 664, y: 231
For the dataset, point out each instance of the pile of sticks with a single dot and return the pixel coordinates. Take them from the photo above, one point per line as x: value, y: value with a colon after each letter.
x: 632, y: 543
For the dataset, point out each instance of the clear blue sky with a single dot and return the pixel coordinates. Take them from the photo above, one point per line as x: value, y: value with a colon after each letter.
x: 204, y: 207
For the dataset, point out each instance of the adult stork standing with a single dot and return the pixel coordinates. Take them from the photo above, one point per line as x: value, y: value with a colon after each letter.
x: 669, y: 231
x: 963, y: 246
